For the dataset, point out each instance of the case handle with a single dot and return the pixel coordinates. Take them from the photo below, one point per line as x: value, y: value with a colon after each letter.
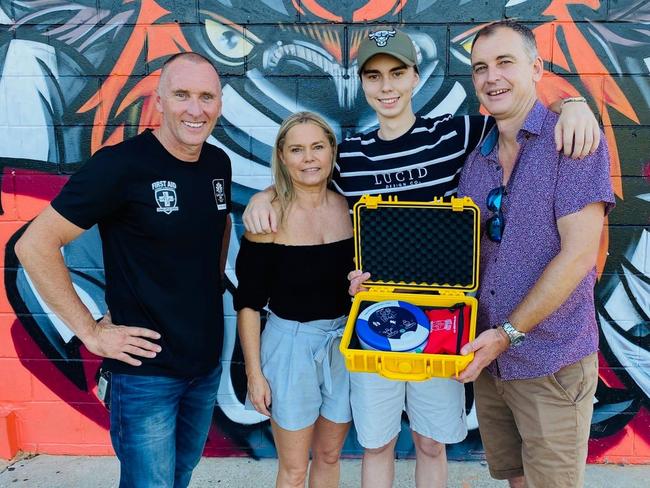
x: 392, y: 375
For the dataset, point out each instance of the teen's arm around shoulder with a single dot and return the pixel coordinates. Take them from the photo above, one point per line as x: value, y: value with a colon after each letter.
x: 39, y: 251
x: 260, y: 217
x: 577, y: 133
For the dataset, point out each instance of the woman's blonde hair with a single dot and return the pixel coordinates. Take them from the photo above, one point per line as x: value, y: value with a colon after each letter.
x: 285, y: 192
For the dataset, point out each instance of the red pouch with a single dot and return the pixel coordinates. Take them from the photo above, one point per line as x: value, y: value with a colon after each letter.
x: 449, y: 329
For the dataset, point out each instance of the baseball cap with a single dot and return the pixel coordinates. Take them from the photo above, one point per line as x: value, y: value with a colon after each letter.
x: 387, y: 41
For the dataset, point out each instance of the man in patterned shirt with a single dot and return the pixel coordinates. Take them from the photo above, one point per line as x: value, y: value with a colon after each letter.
x: 535, y: 366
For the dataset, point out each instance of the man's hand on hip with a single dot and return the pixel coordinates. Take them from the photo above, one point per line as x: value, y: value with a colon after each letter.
x: 486, y: 348
x: 121, y: 342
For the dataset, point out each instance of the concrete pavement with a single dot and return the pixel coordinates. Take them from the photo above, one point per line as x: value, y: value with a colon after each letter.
x: 44, y: 471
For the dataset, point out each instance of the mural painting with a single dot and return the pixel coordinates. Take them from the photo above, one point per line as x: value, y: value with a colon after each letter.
x: 79, y: 75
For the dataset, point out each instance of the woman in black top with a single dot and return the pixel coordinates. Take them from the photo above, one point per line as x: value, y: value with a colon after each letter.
x: 296, y: 374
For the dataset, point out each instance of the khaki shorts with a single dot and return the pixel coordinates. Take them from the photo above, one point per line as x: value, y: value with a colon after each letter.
x: 538, y: 427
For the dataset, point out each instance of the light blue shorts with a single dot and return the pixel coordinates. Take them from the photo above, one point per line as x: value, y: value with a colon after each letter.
x: 436, y: 408
x: 305, y: 370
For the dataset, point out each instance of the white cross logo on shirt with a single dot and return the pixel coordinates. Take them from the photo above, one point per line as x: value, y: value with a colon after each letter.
x: 166, y: 198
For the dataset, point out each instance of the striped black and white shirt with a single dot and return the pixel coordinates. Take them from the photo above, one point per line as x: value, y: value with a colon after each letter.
x: 422, y: 164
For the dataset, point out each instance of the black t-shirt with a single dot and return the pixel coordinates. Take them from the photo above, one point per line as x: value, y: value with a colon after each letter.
x: 275, y: 274
x: 161, y: 221
x: 423, y: 163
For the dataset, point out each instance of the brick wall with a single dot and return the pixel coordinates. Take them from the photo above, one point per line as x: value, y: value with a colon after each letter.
x: 75, y: 76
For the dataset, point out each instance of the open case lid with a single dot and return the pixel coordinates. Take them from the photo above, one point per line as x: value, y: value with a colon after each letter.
x: 418, y: 245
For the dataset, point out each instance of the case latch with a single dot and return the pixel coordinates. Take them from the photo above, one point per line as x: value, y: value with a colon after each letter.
x: 372, y: 201
x: 457, y: 204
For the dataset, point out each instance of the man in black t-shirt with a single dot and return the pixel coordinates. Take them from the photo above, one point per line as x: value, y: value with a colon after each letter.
x: 161, y: 201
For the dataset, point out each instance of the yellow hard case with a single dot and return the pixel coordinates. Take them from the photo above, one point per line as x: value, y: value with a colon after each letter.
x: 401, y: 239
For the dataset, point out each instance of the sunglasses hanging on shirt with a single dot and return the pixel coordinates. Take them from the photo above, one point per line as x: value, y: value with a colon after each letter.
x: 495, y: 224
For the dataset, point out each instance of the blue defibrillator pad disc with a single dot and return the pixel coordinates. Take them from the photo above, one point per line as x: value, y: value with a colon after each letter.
x: 393, y: 325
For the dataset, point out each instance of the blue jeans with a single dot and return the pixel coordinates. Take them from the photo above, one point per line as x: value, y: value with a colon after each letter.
x: 159, y: 426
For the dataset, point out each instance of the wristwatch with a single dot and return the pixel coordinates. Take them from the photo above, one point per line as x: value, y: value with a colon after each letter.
x: 516, y: 337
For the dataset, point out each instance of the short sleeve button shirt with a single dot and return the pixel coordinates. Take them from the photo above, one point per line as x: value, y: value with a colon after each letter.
x: 544, y: 187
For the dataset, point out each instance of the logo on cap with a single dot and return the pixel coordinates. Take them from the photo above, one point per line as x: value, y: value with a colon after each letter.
x: 381, y: 37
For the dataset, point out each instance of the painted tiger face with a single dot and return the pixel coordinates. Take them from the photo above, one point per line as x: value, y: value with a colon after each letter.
x: 78, y: 76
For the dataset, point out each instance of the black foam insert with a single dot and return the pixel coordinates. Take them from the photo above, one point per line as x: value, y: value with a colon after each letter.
x: 422, y: 245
